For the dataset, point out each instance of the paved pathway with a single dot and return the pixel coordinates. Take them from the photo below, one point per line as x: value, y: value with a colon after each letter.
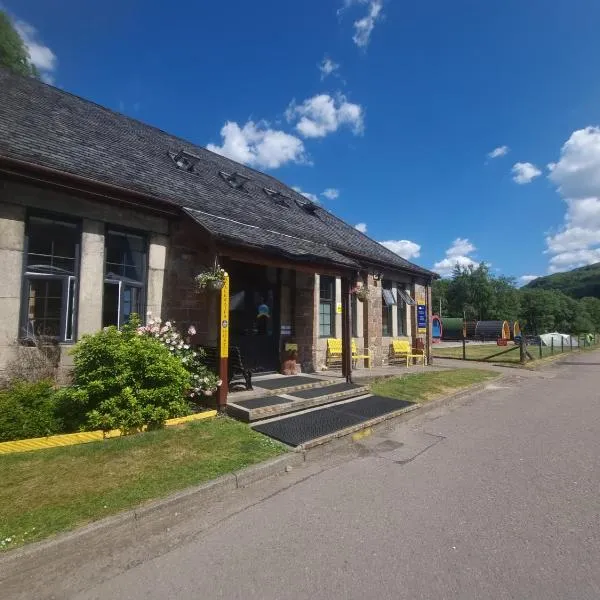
x: 493, y: 496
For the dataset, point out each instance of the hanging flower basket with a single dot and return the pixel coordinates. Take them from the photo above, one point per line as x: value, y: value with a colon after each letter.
x: 212, y: 280
x: 361, y: 293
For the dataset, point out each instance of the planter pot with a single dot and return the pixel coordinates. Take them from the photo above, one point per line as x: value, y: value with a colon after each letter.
x: 215, y: 285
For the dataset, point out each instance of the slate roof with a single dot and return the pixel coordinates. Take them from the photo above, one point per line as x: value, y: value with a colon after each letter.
x: 49, y: 127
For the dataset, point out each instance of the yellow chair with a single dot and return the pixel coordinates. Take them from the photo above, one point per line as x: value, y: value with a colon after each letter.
x: 356, y: 356
x: 401, y: 349
x: 334, y: 353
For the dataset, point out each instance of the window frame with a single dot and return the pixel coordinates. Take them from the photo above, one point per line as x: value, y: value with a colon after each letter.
x: 123, y: 281
x: 69, y: 295
x: 387, y: 318
x: 332, y: 304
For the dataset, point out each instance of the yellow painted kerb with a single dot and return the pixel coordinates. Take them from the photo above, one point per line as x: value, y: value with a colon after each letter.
x: 85, y: 437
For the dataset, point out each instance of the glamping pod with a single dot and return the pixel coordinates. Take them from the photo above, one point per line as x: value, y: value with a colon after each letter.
x: 452, y: 328
x: 492, y: 330
x: 515, y: 329
x: 470, y: 327
x: 436, y: 328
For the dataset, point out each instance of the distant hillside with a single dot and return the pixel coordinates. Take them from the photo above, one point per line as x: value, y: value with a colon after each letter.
x: 577, y: 283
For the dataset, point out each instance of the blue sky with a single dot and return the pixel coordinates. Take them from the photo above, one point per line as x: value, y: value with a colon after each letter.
x: 395, y: 105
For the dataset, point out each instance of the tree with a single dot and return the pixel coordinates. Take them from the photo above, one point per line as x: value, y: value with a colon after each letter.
x: 439, y: 296
x: 13, y: 53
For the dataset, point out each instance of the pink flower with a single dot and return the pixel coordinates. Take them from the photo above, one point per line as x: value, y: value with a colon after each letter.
x: 191, y: 330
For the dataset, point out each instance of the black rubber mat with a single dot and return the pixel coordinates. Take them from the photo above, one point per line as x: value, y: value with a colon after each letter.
x: 297, y: 429
x: 277, y: 383
x: 325, y: 391
x: 262, y: 402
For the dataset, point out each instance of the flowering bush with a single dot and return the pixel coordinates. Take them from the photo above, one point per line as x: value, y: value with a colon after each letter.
x: 204, y: 382
x: 211, y: 279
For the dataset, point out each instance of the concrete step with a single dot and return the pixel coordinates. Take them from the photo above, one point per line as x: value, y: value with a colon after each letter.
x: 285, y: 402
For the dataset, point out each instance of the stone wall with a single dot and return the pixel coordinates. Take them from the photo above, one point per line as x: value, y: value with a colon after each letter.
x: 15, y: 200
x: 306, y: 325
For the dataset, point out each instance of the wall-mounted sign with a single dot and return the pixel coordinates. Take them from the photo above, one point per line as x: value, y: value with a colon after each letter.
x: 290, y: 347
x: 225, y: 319
x: 421, y: 318
x: 338, y: 308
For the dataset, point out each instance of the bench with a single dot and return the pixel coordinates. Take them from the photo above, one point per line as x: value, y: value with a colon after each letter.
x: 401, y: 350
x: 334, y: 353
x: 235, y: 365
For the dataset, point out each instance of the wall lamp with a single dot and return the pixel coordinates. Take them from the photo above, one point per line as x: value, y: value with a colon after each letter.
x: 377, y: 276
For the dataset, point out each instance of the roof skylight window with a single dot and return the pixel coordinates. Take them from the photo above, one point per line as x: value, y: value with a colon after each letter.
x: 186, y: 161
x: 277, y: 196
x: 307, y: 205
x: 235, y: 180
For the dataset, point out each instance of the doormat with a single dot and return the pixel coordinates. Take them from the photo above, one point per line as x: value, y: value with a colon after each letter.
x: 262, y: 402
x: 298, y: 429
x: 277, y: 383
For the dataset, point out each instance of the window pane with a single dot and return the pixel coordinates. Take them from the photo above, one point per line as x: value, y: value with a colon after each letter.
x: 130, y: 302
x: 110, y: 305
x: 325, y: 319
x: 125, y: 255
x: 44, y: 307
x: 70, y: 309
x: 52, y: 245
x: 327, y: 288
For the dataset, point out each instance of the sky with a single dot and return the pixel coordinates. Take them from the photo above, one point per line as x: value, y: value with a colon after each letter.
x: 452, y: 132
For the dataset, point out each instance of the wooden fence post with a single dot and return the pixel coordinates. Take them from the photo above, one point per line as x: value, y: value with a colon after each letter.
x: 522, y: 355
x: 540, y: 346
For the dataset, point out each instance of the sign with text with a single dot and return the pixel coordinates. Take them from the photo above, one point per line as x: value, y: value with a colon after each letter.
x: 225, y: 319
x: 421, y: 318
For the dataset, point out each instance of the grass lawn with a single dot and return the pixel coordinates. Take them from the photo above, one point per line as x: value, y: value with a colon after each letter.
x: 48, y: 491
x: 427, y: 386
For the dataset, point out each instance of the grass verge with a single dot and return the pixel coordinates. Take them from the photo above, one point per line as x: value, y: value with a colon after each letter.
x: 54, y: 490
x: 480, y: 352
x: 428, y: 386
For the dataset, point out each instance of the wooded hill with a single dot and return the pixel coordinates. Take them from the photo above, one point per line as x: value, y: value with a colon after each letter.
x: 578, y: 283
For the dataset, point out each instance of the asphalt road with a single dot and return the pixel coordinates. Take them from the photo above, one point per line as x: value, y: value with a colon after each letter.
x: 494, y: 496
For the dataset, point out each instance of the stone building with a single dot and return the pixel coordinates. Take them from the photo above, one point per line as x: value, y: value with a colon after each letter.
x: 102, y: 216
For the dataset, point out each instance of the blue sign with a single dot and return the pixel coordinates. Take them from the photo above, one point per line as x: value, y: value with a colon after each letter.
x: 422, y: 318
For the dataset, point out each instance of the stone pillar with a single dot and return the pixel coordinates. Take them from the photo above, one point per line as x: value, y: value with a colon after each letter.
x: 372, y: 321
x: 12, y: 240
x: 157, y: 262
x: 91, y: 277
x: 306, y: 319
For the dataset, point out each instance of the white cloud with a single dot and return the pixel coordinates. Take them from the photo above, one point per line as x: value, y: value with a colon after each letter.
x: 363, y: 27
x: 524, y: 173
x: 498, y: 152
x: 457, y: 254
x: 327, y: 67
x: 322, y: 114
x: 40, y: 55
x: 362, y: 227
x: 527, y: 278
x: 331, y: 194
x: 577, y: 177
x: 311, y: 197
x: 404, y: 248
x: 257, y: 145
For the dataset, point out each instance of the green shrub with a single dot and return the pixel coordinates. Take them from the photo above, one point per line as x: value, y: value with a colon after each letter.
x: 123, y: 380
x: 28, y: 410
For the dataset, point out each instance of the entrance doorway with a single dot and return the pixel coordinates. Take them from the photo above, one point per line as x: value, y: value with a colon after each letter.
x: 255, y: 309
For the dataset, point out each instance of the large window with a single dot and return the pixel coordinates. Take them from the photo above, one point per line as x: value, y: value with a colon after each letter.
x: 125, y: 277
x: 327, y: 307
x: 50, y: 279
x: 388, y: 301
x: 401, y: 306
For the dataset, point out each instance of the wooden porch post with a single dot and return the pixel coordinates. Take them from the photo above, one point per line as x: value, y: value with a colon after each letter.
x: 223, y: 346
x: 346, y: 330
